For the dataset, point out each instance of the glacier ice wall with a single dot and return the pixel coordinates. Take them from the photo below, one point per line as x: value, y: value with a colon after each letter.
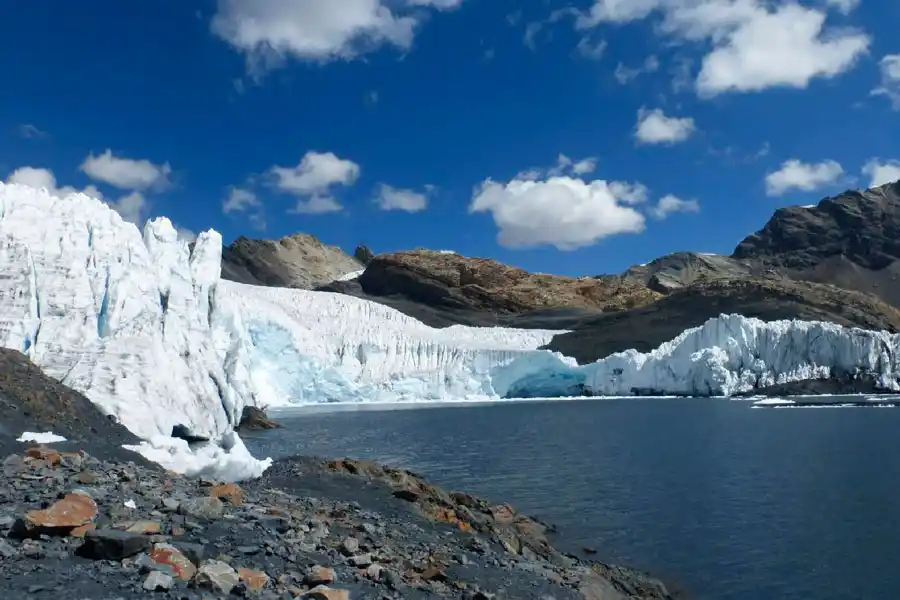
x: 724, y: 356
x: 309, y: 347
x: 148, y: 331
x: 122, y: 317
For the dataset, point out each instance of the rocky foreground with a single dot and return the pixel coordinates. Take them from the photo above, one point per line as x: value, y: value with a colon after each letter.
x: 326, y: 530
x: 86, y: 519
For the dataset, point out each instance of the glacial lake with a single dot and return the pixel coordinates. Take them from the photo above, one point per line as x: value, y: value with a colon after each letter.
x: 726, y: 501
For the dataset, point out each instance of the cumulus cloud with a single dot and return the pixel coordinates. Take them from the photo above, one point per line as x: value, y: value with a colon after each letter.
x: 125, y: 173
x: 269, y: 31
x: 753, y: 44
x: 313, y: 179
x: 44, y: 178
x: 881, y: 172
x: 890, y: 79
x: 654, y: 127
x: 797, y: 175
x: 391, y: 198
x: 844, y: 6
x: 242, y: 200
x: 564, y: 212
x: 564, y: 165
x: 132, y: 207
x: 669, y: 204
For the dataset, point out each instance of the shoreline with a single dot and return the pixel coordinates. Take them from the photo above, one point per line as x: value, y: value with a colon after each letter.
x: 361, y: 529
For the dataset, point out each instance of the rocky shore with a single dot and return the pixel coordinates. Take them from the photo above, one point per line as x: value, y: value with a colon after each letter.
x: 86, y: 519
x: 76, y: 525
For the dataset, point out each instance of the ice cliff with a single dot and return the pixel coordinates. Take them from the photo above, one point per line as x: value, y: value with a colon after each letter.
x: 149, y: 332
x: 724, y: 356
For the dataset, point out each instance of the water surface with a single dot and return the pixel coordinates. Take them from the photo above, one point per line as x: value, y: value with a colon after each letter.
x: 728, y: 501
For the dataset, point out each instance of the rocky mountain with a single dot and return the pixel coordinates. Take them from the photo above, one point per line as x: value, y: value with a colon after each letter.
x: 296, y: 261
x: 681, y: 269
x: 647, y: 327
x: 851, y: 240
x: 442, y: 288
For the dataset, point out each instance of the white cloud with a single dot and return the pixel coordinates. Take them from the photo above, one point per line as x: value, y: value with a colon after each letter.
x: 890, y: 79
x: 669, y: 204
x: 391, y: 198
x: 844, y: 6
x: 625, y: 74
x: 629, y: 193
x: 754, y: 44
x: 239, y: 200
x: 564, y: 165
x: 654, y: 127
x: 881, y: 172
x: 44, y: 178
x: 616, y: 11
x: 125, y: 173
x: 242, y: 200
x: 787, y: 47
x: 313, y: 179
x: 564, y: 212
x: 268, y: 31
x: 132, y: 207
x: 806, y: 177
x: 185, y: 234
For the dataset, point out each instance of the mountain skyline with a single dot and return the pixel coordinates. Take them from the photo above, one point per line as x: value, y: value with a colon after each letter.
x: 573, y: 138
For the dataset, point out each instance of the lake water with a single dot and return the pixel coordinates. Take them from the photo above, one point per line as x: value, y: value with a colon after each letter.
x: 728, y: 501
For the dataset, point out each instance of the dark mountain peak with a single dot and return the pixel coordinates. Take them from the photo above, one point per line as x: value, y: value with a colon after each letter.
x: 861, y: 226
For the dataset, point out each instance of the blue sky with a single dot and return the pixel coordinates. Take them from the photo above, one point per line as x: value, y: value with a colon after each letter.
x: 682, y: 124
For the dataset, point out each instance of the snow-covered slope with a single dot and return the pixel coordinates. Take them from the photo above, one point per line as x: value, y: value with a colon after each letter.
x: 726, y: 355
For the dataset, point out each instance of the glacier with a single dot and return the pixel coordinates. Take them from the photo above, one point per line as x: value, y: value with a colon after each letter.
x: 143, y: 325
x: 726, y: 355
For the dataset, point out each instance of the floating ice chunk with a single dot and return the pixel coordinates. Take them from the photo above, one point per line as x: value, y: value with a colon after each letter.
x: 227, y: 460
x: 774, y: 402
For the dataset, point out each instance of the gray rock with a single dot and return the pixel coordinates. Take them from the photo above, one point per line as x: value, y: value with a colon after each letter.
x: 205, y: 507
x: 216, y: 575
x: 157, y: 581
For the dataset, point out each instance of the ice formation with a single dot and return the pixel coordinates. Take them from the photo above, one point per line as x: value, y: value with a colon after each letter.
x: 724, y: 356
x: 145, y: 328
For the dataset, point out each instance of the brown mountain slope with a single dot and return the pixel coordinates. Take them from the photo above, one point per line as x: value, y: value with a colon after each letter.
x: 647, y: 327
x: 452, y: 280
x: 296, y: 261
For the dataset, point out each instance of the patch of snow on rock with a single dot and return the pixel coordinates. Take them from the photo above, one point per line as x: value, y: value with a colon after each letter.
x: 47, y: 437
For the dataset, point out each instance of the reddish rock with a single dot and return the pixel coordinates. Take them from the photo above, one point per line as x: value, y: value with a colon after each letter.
x: 167, y: 554
x: 319, y: 575
x: 145, y: 527
x: 255, y: 580
x: 74, y: 510
x: 48, y: 456
x: 322, y: 592
x: 228, y: 492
